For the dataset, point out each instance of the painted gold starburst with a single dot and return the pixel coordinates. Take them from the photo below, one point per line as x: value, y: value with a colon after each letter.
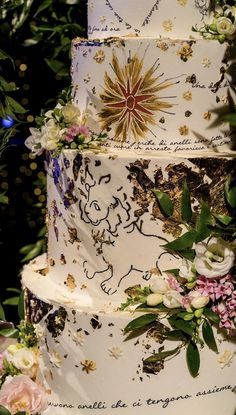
x: 131, y: 98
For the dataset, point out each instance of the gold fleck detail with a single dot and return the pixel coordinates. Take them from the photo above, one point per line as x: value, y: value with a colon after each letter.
x: 162, y: 45
x: 185, y: 52
x: 62, y: 259
x: 183, y: 130
x: 99, y: 56
x: 188, y: 95
x: 207, y: 115
x: 182, y: 2
x: 88, y: 365
x: 167, y: 25
x: 70, y: 282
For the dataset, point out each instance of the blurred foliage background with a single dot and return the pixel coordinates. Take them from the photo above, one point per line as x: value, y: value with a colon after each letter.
x: 35, y: 58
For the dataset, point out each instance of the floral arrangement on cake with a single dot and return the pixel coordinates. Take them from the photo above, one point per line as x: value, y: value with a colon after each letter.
x: 63, y: 127
x: 223, y: 25
x: 188, y: 304
x: 20, y: 390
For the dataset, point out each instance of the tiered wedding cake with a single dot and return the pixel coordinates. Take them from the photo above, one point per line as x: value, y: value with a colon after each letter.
x: 151, y: 209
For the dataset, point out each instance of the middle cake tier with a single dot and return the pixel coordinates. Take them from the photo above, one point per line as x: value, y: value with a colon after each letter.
x: 155, y: 94
x: 107, y: 229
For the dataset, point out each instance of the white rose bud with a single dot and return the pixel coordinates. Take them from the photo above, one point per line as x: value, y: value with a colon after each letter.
x: 198, y: 300
x: 185, y: 271
x: 172, y: 299
x: 214, y: 258
x: 159, y: 284
x: 154, y: 299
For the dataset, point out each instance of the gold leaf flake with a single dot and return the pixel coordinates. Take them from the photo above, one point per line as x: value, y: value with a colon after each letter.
x: 207, y: 115
x: 88, y: 365
x: 184, y: 130
x: 70, y: 282
x: 167, y: 25
x: 188, y: 95
x: 99, y: 56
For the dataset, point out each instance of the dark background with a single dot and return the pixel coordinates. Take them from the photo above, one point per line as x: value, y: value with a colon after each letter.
x: 21, y: 176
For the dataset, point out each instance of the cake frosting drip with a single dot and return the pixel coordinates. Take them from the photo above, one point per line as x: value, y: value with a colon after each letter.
x: 157, y: 95
x: 154, y: 18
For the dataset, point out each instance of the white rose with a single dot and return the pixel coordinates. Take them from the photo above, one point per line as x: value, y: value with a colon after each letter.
x: 214, y: 258
x: 224, y: 26
x: 154, y: 299
x: 71, y: 114
x: 198, y: 300
x: 172, y: 299
x: 51, y: 134
x: 24, y: 360
x: 185, y: 271
x: 159, y: 284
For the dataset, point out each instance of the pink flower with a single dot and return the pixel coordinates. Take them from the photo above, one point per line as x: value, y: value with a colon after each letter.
x: 173, y: 283
x: 75, y: 130
x: 84, y: 130
x: 20, y: 393
x: 216, y: 289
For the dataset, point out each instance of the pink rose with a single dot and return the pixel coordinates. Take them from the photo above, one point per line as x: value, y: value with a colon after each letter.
x: 20, y: 393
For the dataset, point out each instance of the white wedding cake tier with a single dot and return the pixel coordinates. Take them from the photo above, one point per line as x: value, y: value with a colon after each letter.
x: 135, y: 300
x: 166, y: 18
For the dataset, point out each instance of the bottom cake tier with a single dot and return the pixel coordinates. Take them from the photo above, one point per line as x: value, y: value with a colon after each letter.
x: 89, y: 366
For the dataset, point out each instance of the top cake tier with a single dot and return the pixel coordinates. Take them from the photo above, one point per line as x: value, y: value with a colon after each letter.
x: 152, y: 18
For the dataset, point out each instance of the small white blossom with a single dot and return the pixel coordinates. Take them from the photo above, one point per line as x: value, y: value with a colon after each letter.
x: 55, y: 358
x: 226, y: 358
x: 172, y: 299
x: 116, y: 352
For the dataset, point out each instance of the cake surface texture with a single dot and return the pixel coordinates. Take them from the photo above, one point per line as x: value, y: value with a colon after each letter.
x: 135, y: 300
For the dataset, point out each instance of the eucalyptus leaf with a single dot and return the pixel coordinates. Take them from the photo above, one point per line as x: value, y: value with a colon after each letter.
x: 165, y: 203
x: 4, y: 411
x: 162, y: 355
x: 140, y: 322
x: 182, y: 243
x: 213, y: 317
x: 193, y: 358
x: 208, y: 336
x: 186, y: 210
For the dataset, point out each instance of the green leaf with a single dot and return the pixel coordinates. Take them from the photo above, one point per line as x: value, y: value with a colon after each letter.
x: 188, y: 254
x: 165, y: 203
x: 230, y: 192
x: 182, y: 243
x: 140, y: 322
x: 25, y: 249
x: 14, y: 105
x: 175, y: 335
x: 203, y: 220
x: 43, y: 6
x: 231, y: 118
x: 7, y: 86
x: 193, y: 358
x: 11, y: 301
x: 2, y: 313
x: 213, y: 317
x: 4, y: 411
x: 13, y: 290
x: 161, y: 355
x: 208, y: 336
x: 10, y: 333
x: 3, y: 198
x: 186, y: 210
x: 4, y: 55
x: 185, y: 326
x: 57, y: 66
x: 33, y: 252
x: 226, y: 220
x: 21, y: 306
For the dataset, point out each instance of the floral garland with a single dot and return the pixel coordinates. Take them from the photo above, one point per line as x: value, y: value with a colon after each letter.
x: 223, y: 24
x: 20, y: 390
x: 185, y: 304
x: 63, y: 127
